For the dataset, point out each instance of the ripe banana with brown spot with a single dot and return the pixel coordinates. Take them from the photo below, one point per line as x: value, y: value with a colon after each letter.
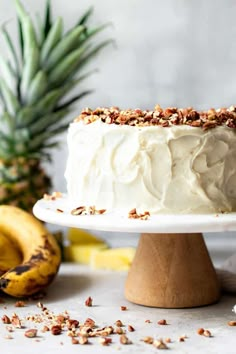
x: 10, y: 255
x: 41, y: 256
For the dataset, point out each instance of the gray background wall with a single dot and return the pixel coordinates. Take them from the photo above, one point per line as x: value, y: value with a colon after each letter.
x: 172, y: 52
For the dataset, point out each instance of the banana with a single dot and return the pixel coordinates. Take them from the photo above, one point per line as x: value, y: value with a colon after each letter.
x: 10, y: 255
x: 41, y: 255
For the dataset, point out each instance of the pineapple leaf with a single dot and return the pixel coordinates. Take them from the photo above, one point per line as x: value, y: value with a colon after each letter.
x: 21, y: 40
x: 58, y: 130
x: 30, y: 69
x: 40, y: 30
x: 20, y: 10
x: 74, y: 82
x: 11, y: 48
x: 25, y: 115
x: 10, y: 121
x: 64, y: 47
x: 89, y: 33
x: 48, y: 102
x: 89, y: 56
x: 7, y: 70
x: 37, y: 87
x: 84, y: 18
x: 39, y: 141
x: 96, y: 50
x: 3, y: 101
x: 11, y: 101
x: 61, y: 72
x: 72, y: 100
x: 5, y: 151
x: 52, y: 39
x: 48, y: 19
x: 49, y: 120
x: 27, y: 30
x: 29, y: 37
x: 28, y: 114
x: 51, y: 145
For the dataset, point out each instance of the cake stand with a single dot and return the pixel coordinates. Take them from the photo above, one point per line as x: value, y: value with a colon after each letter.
x: 172, y: 267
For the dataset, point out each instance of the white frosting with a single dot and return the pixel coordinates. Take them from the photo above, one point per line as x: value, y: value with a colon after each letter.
x: 179, y: 169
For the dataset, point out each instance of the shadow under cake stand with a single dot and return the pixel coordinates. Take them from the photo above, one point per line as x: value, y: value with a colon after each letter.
x: 172, y: 267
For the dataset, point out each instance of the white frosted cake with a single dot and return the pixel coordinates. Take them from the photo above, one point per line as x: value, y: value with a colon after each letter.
x: 161, y: 161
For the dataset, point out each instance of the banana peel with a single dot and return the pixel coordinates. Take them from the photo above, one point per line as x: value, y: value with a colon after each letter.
x: 10, y: 255
x: 41, y: 255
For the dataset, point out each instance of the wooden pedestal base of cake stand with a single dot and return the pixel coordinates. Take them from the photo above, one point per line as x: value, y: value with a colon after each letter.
x: 172, y: 267
x: 172, y: 271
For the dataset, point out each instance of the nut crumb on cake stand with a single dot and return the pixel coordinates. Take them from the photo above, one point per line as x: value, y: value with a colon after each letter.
x: 172, y: 267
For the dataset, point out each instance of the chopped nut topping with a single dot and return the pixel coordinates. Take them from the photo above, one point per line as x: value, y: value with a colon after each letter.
x: 142, y: 216
x: 118, y: 323
x: 74, y: 340
x: 89, y: 301
x: 53, y: 196
x: 159, y: 344
x: 105, y: 341
x: 89, y: 322
x: 15, y: 321
x: 8, y: 336
x: 6, y: 319
x: 103, y: 332
x: 45, y: 329
x: 148, y: 340
x: 31, y: 333
x: 182, y: 339
x: 232, y: 323
x: 83, y: 340
x: 78, y: 210
x: 119, y: 330
x: 9, y: 329
x: 20, y: 304
x: 200, y: 331
x: 72, y: 324
x: 55, y: 330
x: 40, y: 305
x: 60, y: 210
x: 207, y: 333
x: 131, y: 328
x: 162, y: 322
x: 124, y: 339
x: 123, y: 308
x: 161, y: 117
x: 83, y: 210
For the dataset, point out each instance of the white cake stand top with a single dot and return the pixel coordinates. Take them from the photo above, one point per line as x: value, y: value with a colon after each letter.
x: 47, y: 210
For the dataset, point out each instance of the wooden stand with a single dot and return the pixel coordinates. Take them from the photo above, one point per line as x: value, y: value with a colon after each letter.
x: 172, y: 271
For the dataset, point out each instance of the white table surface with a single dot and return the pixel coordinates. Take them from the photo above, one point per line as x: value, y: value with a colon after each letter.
x: 75, y: 283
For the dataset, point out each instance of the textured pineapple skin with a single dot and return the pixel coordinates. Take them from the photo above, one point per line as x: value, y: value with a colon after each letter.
x: 22, y: 182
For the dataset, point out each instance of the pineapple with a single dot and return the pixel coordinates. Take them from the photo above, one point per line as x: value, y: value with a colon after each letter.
x: 34, y: 89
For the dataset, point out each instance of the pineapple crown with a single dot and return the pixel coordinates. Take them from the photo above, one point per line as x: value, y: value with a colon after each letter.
x: 48, y: 66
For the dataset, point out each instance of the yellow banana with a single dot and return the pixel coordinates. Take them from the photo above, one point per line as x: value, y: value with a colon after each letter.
x: 40, y: 253
x: 10, y: 255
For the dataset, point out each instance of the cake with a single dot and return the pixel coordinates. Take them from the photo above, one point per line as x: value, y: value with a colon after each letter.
x: 171, y: 161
